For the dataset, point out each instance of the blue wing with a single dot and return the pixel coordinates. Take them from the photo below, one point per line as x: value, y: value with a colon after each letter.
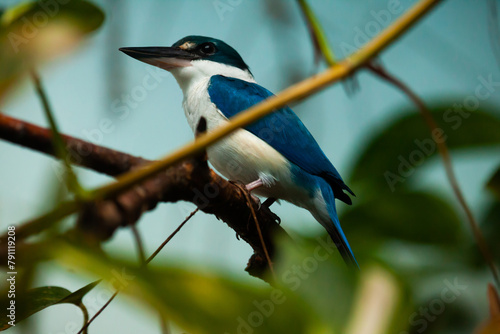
x: 282, y: 130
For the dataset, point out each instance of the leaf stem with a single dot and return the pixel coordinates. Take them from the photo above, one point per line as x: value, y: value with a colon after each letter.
x: 60, y: 150
x: 317, y: 33
x: 139, y: 244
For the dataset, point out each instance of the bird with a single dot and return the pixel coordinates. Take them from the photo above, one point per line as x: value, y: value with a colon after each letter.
x: 276, y: 157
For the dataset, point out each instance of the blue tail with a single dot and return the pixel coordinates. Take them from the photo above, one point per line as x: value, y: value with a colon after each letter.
x: 333, y: 227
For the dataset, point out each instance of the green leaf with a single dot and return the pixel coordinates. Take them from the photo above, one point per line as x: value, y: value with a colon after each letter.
x: 34, y: 32
x: 494, y: 183
x: 312, y: 295
x: 340, y: 296
x: 201, y: 302
x: 314, y: 270
x: 83, y: 15
x: 34, y: 301
x: 490, y: 226
x: 393, y: 155
x: 413, y: 217
x: 10, y: 14
x: 77, y: 296
x: 38, y: 299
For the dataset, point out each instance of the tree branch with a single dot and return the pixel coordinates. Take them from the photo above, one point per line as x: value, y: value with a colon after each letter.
x: 191, y: 180
x: 82, y: 153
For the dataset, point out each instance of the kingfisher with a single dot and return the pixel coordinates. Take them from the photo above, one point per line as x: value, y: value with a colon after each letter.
x: 275, y: 157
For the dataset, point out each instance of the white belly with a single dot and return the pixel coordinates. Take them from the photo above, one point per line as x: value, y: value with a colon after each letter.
x: 246, y: 158
x: 243, y: 156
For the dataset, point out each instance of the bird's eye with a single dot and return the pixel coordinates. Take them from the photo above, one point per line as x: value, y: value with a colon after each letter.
x: 208, y: 48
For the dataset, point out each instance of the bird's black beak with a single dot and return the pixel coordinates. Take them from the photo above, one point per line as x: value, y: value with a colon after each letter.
x: 164, y: 57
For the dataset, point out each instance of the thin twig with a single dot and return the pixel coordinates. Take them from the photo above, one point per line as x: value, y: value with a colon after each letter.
x: 321, y: 45
x: 493, y: 30
x: 257, y: 225
x: 60, y: 149
x: 142, y: 259
x: 171, y: 236
x: 85, y: 316
x: 140, y: 246
x: 165, y: 328
x: 84, y: 328
x: 317, y: 34
x: 445, y: 156
x: 145, y: 262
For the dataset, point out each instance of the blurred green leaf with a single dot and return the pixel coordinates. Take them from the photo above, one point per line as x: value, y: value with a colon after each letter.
x: 314, y: 270
x: 200, y: 302
x: 414, y: 217
x: 490, y: 225
x: 37, y: 15
x: 345, y: 299
x: 494, y: 183
x: 10, y: 14
x: 456, y: 317
x: 77, y: 296
x: 38, y: 299
x: 34, y: 32
x: 393, y: 155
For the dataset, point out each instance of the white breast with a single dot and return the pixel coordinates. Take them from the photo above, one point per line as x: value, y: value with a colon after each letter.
x: 240, y: 156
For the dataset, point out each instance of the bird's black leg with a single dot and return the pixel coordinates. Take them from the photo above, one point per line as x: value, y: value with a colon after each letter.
x: 265, y: 206
x: 268, y: 202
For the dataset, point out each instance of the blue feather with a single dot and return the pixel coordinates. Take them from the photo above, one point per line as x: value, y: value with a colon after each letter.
x: 332, y: 226
x: 335, y: 231
x: 282, y: 130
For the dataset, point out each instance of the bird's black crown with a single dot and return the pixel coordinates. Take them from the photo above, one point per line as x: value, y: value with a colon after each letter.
x: 212, y: 49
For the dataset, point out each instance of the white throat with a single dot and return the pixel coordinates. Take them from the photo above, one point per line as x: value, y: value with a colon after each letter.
x: 201, y: 70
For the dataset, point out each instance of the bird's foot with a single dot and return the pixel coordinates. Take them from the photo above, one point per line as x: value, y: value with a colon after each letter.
x: 254, y: 185
x: 249, y: 187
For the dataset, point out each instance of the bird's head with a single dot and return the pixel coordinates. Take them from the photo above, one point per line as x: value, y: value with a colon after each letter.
x: 193, y: 58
